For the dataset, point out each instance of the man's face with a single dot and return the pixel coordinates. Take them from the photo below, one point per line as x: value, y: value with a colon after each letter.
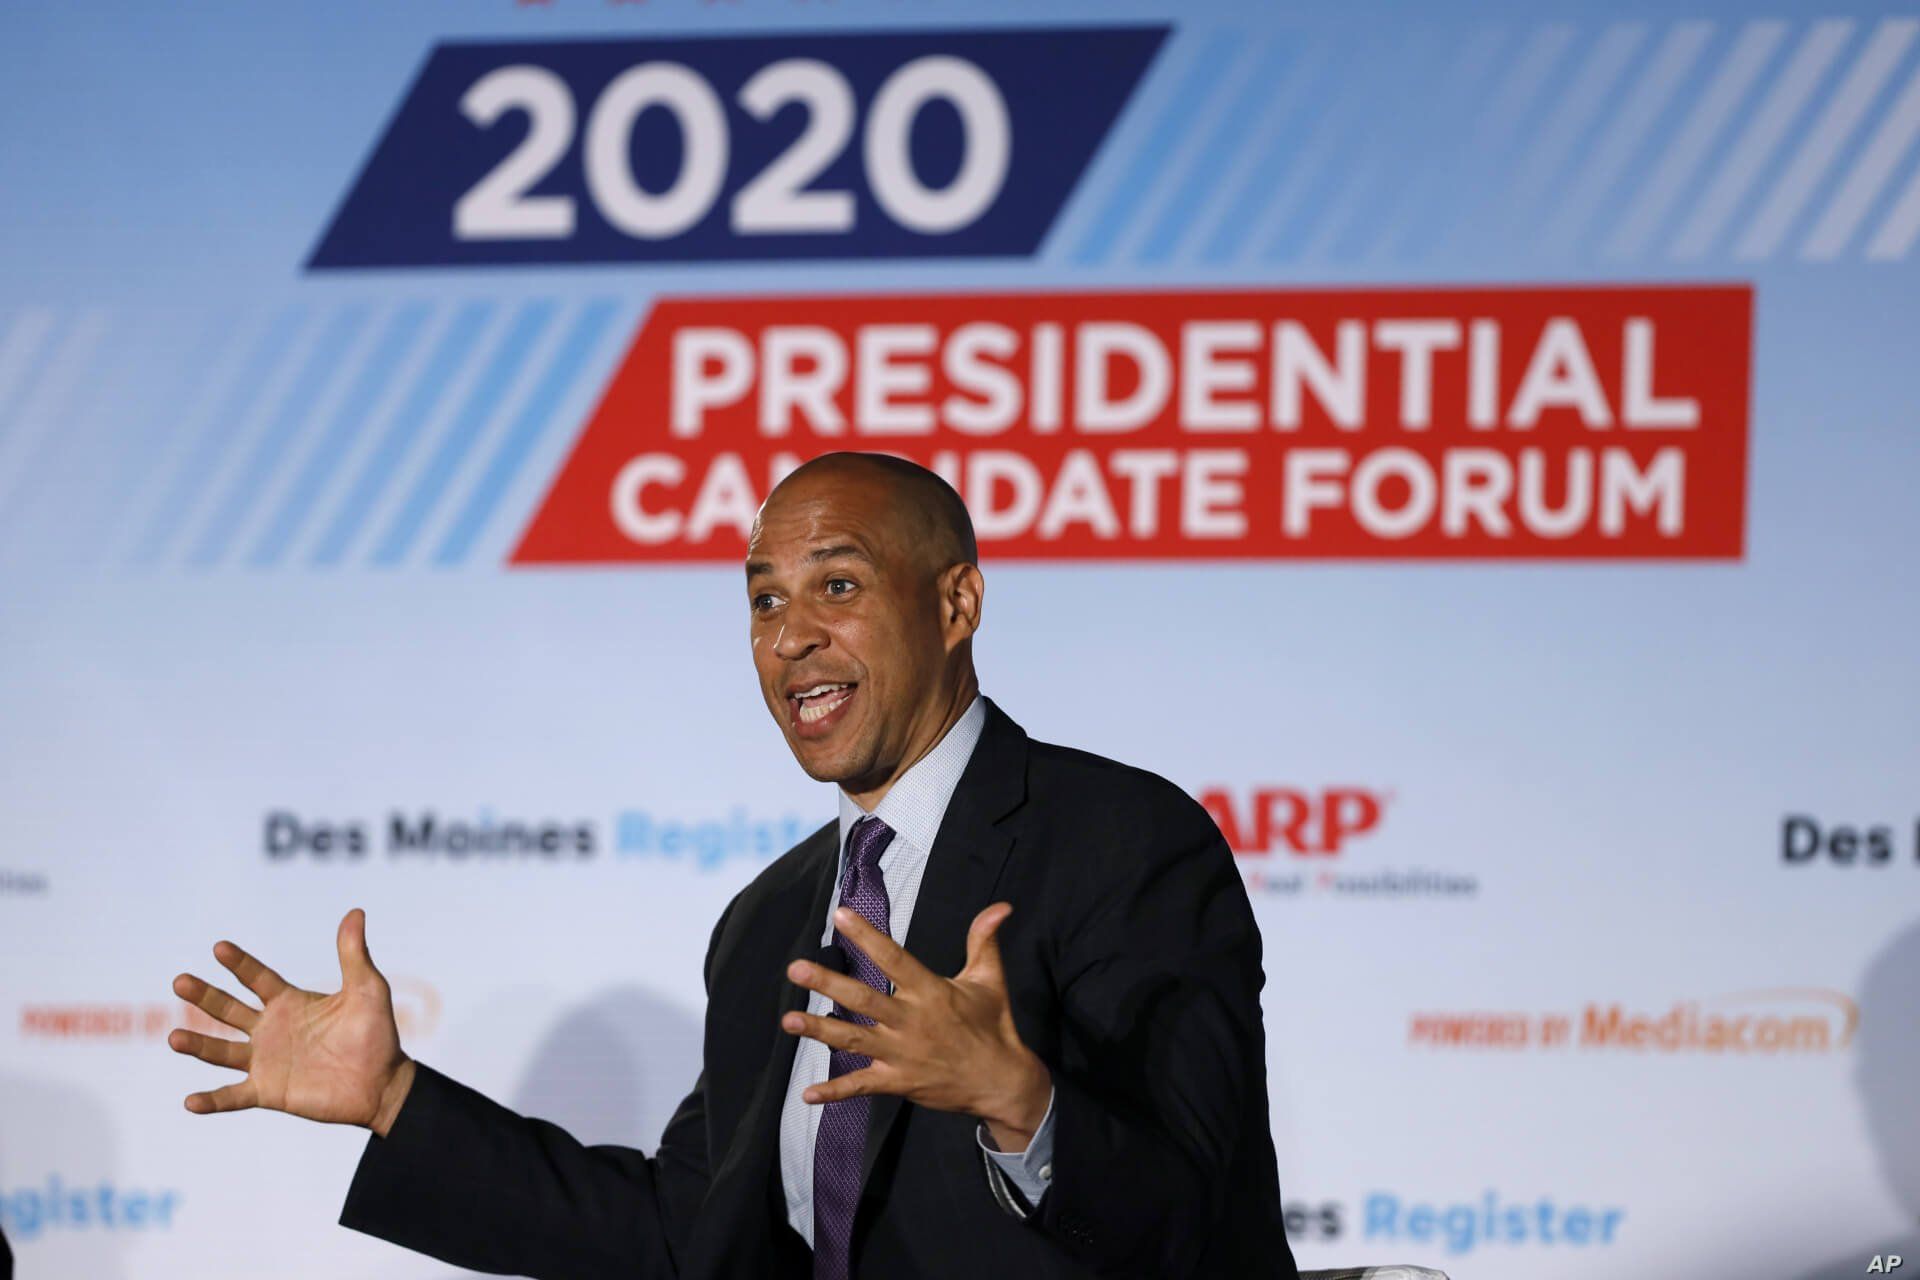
x: 846, y: 627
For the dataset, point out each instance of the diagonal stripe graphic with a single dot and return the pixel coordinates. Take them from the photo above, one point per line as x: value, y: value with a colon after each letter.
x: 321, y: 366
x: 1355, y: 209
x: 1435, y: 154
x: 1871, y: 173
x: 55, y: 476
x: 20, y: 354
x: 536, y: 416
x: 1199, y: 183
x: 1752, y: 50
x: 1896, y: 235
x: 1159, y: 149
x: 389, y: 351
x: 450, y: 355
x: 1836, y: 123
x: 1553, y: 148
x: 1783, y: 101
x: 1264, y: 156
x: 42, y: 411
x: 1646, y: 101
x: 204, y: 454
x: 1504, y: 114
x: 483, y: 401
x: 1514, y: 101
x: 192, y: 369
x: 34, y: 368
x: 1289, y: 214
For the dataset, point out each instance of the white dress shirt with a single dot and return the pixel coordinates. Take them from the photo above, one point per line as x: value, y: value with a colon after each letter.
x: 913, y: 807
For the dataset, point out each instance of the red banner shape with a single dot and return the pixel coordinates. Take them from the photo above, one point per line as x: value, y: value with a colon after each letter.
x: 1564, y: 422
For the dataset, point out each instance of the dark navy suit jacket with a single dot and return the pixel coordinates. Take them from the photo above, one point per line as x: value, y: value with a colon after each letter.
x: 1133, y: 967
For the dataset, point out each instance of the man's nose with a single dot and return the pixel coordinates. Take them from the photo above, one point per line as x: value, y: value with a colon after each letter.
x: 800, y: 633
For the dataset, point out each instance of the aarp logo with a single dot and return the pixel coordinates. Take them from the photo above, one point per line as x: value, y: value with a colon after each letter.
x: 1297, y: 821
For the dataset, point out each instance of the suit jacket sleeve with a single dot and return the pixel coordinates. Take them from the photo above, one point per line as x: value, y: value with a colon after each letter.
x: 477, y: 1185
x: 1161, y: 1045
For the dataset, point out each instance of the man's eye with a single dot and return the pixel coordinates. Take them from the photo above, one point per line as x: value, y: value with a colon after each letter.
x: 833, y: 583
x: 762, y: 602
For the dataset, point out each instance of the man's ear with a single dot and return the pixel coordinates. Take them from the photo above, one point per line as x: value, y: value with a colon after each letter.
x: 962, y: 592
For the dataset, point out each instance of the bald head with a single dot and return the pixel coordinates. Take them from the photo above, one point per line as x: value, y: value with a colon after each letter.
x: 933, y: 518
x: 865, y: 595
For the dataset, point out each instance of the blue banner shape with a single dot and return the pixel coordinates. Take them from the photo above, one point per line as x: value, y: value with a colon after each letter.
x: 921, y: 144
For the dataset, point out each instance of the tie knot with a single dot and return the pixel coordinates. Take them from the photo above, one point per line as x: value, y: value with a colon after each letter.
x: 868, y: 840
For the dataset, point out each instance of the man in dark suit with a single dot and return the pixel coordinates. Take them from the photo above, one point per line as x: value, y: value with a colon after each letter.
x: 1086, y: 1096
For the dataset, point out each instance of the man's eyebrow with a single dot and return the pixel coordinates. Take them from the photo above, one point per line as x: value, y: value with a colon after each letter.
x: 755, y: 568
x: 844, y: 549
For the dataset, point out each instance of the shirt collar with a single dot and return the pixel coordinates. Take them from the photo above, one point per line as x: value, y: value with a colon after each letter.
x: 915, y: 804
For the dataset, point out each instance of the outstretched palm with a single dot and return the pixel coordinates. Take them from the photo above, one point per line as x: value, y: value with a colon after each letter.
x: 334, y: 1058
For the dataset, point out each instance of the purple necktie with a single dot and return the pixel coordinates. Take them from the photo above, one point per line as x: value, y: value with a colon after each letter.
x: 842, y: 1138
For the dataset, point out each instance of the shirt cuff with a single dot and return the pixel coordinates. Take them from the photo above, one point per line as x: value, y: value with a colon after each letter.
x: 1031, y: 1170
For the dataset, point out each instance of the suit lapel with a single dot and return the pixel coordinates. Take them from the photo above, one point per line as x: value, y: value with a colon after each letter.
x: 764, y: 1113
x: 749, y: 1168
x: 962, y: 869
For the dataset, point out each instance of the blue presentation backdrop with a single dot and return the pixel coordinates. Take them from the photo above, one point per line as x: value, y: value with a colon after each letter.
x: 1472, y: 448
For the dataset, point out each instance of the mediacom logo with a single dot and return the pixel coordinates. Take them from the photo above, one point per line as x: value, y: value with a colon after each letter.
x: 1564, y: 422
x: 1777, y: 1022
x: 1284, y: 838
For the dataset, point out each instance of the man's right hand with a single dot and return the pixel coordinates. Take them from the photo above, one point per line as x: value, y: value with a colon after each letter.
x: 334, y: 1058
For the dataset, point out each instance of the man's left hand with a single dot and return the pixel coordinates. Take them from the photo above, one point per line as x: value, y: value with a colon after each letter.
x: 945, y: 1043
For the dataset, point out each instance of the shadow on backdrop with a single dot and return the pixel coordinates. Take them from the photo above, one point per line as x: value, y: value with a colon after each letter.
x: 57, y: 1142
x: 613, y: 1069
x: 1886, y: 1072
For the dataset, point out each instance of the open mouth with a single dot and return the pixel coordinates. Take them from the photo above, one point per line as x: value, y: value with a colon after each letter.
x: 815, y: 709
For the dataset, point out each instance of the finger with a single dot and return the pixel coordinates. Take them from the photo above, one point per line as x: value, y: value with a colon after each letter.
x: 216, y: 1002
x: 356, y: 962
x: 854, y: 1084
x: 259, y: 979
x: 847, y: 992
x: 894, y: 960
x: 237, y: 1054
x: 983, y: 945
x: 234, y: 1097
x: 835, y: 1033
